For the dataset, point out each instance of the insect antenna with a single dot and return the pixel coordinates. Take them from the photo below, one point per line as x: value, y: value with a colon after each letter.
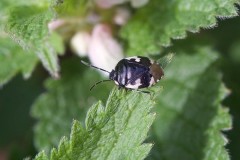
x: 99, y: 83
x: 89, y: 65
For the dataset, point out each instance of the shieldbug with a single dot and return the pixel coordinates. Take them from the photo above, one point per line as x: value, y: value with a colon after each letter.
x: 133, y: 73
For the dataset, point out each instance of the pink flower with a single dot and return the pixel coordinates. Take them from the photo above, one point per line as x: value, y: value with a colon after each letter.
x: 104, y: 50
x: 80, y: 43
x: 100, y: 46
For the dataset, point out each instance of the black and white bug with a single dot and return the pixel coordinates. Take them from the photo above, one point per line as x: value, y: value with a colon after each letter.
x: 133, y: 73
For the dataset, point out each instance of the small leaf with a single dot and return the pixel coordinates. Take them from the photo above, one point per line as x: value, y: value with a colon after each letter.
x: 164, y: 61
x: 41, y: 156
x: 57, y: 43
x: 230, y: 66
x: 153, y: 25
x: 49, y: 59
x: 28, y: 26
x: 5, y: 5
x: 112, y: 132
x: 190, y: 117
x: 66, y: 99
x: 13, y: 60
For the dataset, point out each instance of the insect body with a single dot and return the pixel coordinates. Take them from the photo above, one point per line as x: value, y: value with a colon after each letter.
x: 134, y: 73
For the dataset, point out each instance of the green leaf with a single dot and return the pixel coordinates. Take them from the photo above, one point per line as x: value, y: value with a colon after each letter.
x: 57, y: 43
x: 41, y: 156
x: 66, y: 99
x: 155, y: 24
x: 164, y: 61
x: 13, y: 60
x: 73, y: 8
x: 28, y: 26
x: 112, y: 132
x: 5, y: 5
x: 230, y: 67
x: 190, y: 117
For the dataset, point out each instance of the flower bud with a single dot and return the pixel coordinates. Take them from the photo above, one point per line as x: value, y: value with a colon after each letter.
x: 80, y: 43
x: 104, y: 50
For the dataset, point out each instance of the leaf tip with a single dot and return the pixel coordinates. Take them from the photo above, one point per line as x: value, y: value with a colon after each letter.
x: 41, y: 156
x: 164, y: 61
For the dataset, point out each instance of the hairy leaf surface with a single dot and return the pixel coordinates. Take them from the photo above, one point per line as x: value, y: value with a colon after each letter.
x: 190, y: 117
x: 13, y: 60
x: 28, y: 26
x: 153, y: 25
x: 66, y: 99
x: 115, y: 131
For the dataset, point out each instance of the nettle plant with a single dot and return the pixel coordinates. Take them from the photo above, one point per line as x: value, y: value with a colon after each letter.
x: 182, y: 119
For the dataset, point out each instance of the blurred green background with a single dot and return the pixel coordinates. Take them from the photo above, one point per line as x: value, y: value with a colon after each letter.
x: 17, y: 96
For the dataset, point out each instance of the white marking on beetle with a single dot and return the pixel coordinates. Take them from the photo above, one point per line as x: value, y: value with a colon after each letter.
x: 129, y: 75
x: 134, y: 86
x: 116, y: 83
x: 136, y: 59
x: 152, y: 61
x: 123, y: 81
x: 152, y: 82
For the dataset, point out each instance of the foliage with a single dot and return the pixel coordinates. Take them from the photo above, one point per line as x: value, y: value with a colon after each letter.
x: 13, y: 60
x: 27, y: 25
x: 67, y: 98
x: 108, y: 130
x: 190, y: 116
x: 155, y: 24
x: 180, y: 131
